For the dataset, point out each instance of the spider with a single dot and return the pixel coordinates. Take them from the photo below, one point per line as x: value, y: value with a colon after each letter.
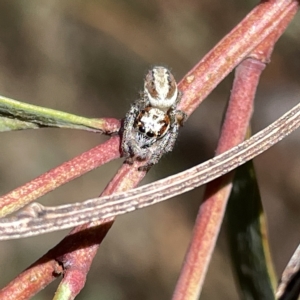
x: 151, y: 126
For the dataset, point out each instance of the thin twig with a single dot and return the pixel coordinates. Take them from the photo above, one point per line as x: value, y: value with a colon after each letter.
x: 289, y: 286
x: 72, y: 257
x: 54, y: 178
x: 78, y: 261
x: 47, y: 219
x: 231, y: 50
x: 212, y: 210
x: 32, y: 116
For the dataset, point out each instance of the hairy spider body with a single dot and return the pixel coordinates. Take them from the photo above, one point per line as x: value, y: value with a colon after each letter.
x: 152, y: 123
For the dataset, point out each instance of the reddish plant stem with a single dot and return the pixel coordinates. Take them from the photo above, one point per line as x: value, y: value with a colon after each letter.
x: 234, y: 129
x: 74, y: 254
x: 109, y: 125
x: 211, y: 212
x: 34, y: 279
x: 230, y: 51
x: 77, y: 263
x: 54, y: 178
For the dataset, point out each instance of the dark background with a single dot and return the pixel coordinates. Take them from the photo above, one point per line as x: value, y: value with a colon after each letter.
x: 89, y: 58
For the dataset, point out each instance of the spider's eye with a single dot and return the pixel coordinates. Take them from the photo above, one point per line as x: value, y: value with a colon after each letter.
x: 150, y: 134
x: 142, y: 129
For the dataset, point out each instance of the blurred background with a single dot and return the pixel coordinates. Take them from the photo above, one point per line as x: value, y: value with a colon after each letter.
x: 89, y: 58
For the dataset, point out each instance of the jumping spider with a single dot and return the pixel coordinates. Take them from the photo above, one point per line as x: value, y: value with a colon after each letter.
x: 151, y: 125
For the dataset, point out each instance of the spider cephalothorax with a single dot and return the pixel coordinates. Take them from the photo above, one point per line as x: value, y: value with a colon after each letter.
x: 152, y: 123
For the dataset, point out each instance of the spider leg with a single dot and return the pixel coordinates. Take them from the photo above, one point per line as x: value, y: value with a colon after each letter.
x: 177, y: 116
x: 166, y: 143
x: 178, y: 99
x: 127, y: 131
x: 137, y: 151
x: 162, y: 146
x: 172, y: 137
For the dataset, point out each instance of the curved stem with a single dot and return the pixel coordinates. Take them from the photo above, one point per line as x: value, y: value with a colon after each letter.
x: 60, y: 175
